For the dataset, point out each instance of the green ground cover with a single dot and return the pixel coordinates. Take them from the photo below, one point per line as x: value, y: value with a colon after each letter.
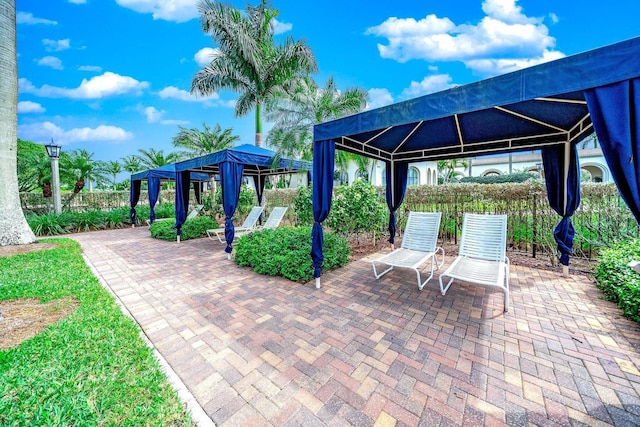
x: 91, y: 368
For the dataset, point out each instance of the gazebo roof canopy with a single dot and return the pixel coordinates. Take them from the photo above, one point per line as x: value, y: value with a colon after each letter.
x: 256, y: 161
x: 523, y: 110
x: 166, y: 172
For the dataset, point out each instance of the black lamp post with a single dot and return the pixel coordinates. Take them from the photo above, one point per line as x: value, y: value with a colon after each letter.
x: 53, y: 150
x: 539, y: 168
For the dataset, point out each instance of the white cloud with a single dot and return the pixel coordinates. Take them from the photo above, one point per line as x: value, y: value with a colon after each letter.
x: 554, y: 18
x: 281, y: 27
x: 504, y: 34
x: 28, y: 18
x: 501, y: 66
x: 205, y: 55
x: 174, y: 122
x: 182, y: 95
x: 153, y: 115
x: 56, y: 45
x: 43, y: 132
x: 90, y: 68
x: 430, y: 84
x: 50, y: 61
x: 107, y: 84
x: 169, y: 10
x: 379, y: 98
x: 30, y: 107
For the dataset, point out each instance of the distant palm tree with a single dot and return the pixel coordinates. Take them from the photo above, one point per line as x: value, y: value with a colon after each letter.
x: 131, y: 164
x: 152, y: 158
x: 113, y: 167
x: 305, y: 106
x: 294, y: 114
x: 81, y: 167
x: 14, y: 229
x: 200, y: 142
x: 248, y: 61
x: 447, y: 169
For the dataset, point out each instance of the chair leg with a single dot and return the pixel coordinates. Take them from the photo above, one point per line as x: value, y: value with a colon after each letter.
x: 444, y: 289
x: 433, y: 264
x: 375, y: 273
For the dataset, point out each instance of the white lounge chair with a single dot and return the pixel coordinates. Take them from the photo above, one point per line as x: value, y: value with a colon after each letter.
x: 418, y: 246
x: 482, y: 255
x: 275, y: 218
x: 194, y: 213
x: 248, y: 224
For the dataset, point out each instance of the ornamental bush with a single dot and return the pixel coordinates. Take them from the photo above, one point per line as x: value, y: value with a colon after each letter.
x: 192, y: 229
x: 619, y: 282
x: 284, y: 251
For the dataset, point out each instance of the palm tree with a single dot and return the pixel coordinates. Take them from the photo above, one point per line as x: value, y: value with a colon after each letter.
x: 296, y: 113
x: 447, y: 169
x: 152, y: 158
x: 14, y: 229
x: 248, y: 61
x: 80, y: 167
x: 113, y: 167
x: 200, y: 142
x: 131, y: 164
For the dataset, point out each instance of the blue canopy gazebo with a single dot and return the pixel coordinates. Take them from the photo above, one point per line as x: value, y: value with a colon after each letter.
x: 231, y: 164
x: 548, y: 107
x: 154, y: 177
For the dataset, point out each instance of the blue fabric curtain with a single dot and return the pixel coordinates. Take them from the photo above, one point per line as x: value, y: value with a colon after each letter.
x: 396, y: 189
x: 134, y: 197
x: 553, y: 159
x: 183, y: 182
x: 231, y: 179
x: 615, y: 112
x: 259, y: 182
x: 322, y: 191
x: 154, y: 193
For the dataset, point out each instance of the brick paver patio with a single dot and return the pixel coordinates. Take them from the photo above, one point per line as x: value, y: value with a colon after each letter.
x: 255, y: 350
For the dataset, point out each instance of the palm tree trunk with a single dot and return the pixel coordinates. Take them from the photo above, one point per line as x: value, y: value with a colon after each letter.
x: 258, y: 125
x: 14, y: 229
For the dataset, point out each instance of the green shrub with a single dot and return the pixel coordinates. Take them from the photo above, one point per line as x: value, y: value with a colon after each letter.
x: 164, y: 210
x: 357, y: 209
x: 285, y: 251
x: 88, y: 220
x: 302, y: 207
x: 191, y: 229
x: 49, y: 224
x: 500, y: 179
x: 619, y: 282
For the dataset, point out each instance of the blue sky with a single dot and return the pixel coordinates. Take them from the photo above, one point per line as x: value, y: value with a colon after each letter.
x: 113, y: 76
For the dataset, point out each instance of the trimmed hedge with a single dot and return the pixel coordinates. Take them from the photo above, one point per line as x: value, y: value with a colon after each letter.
x: 284, y: 251
x: 619, y: 282
x: 191, y: 229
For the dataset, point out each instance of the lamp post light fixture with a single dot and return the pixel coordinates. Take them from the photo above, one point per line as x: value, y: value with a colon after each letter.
x: 53, y: 150
x: 539, y: 168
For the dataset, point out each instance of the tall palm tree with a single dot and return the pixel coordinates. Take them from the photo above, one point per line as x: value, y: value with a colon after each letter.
x: 152, y: 158
x: 295, y: 114
x: 200, y: 142
x: 248, y: 61
x: 14, y: 229
x: 113, y: 167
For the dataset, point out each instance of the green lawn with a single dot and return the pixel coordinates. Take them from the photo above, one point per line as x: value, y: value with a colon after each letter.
x: 92, y: 368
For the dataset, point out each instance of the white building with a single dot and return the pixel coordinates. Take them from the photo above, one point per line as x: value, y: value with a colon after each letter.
x: 592, y: 163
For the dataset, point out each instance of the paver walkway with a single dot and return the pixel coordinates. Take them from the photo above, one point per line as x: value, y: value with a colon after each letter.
x: 255, y: 350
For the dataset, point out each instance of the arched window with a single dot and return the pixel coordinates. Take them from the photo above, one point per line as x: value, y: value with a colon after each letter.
x: 413, y: 177
x: 362, y: 174
x: 384, y: 176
